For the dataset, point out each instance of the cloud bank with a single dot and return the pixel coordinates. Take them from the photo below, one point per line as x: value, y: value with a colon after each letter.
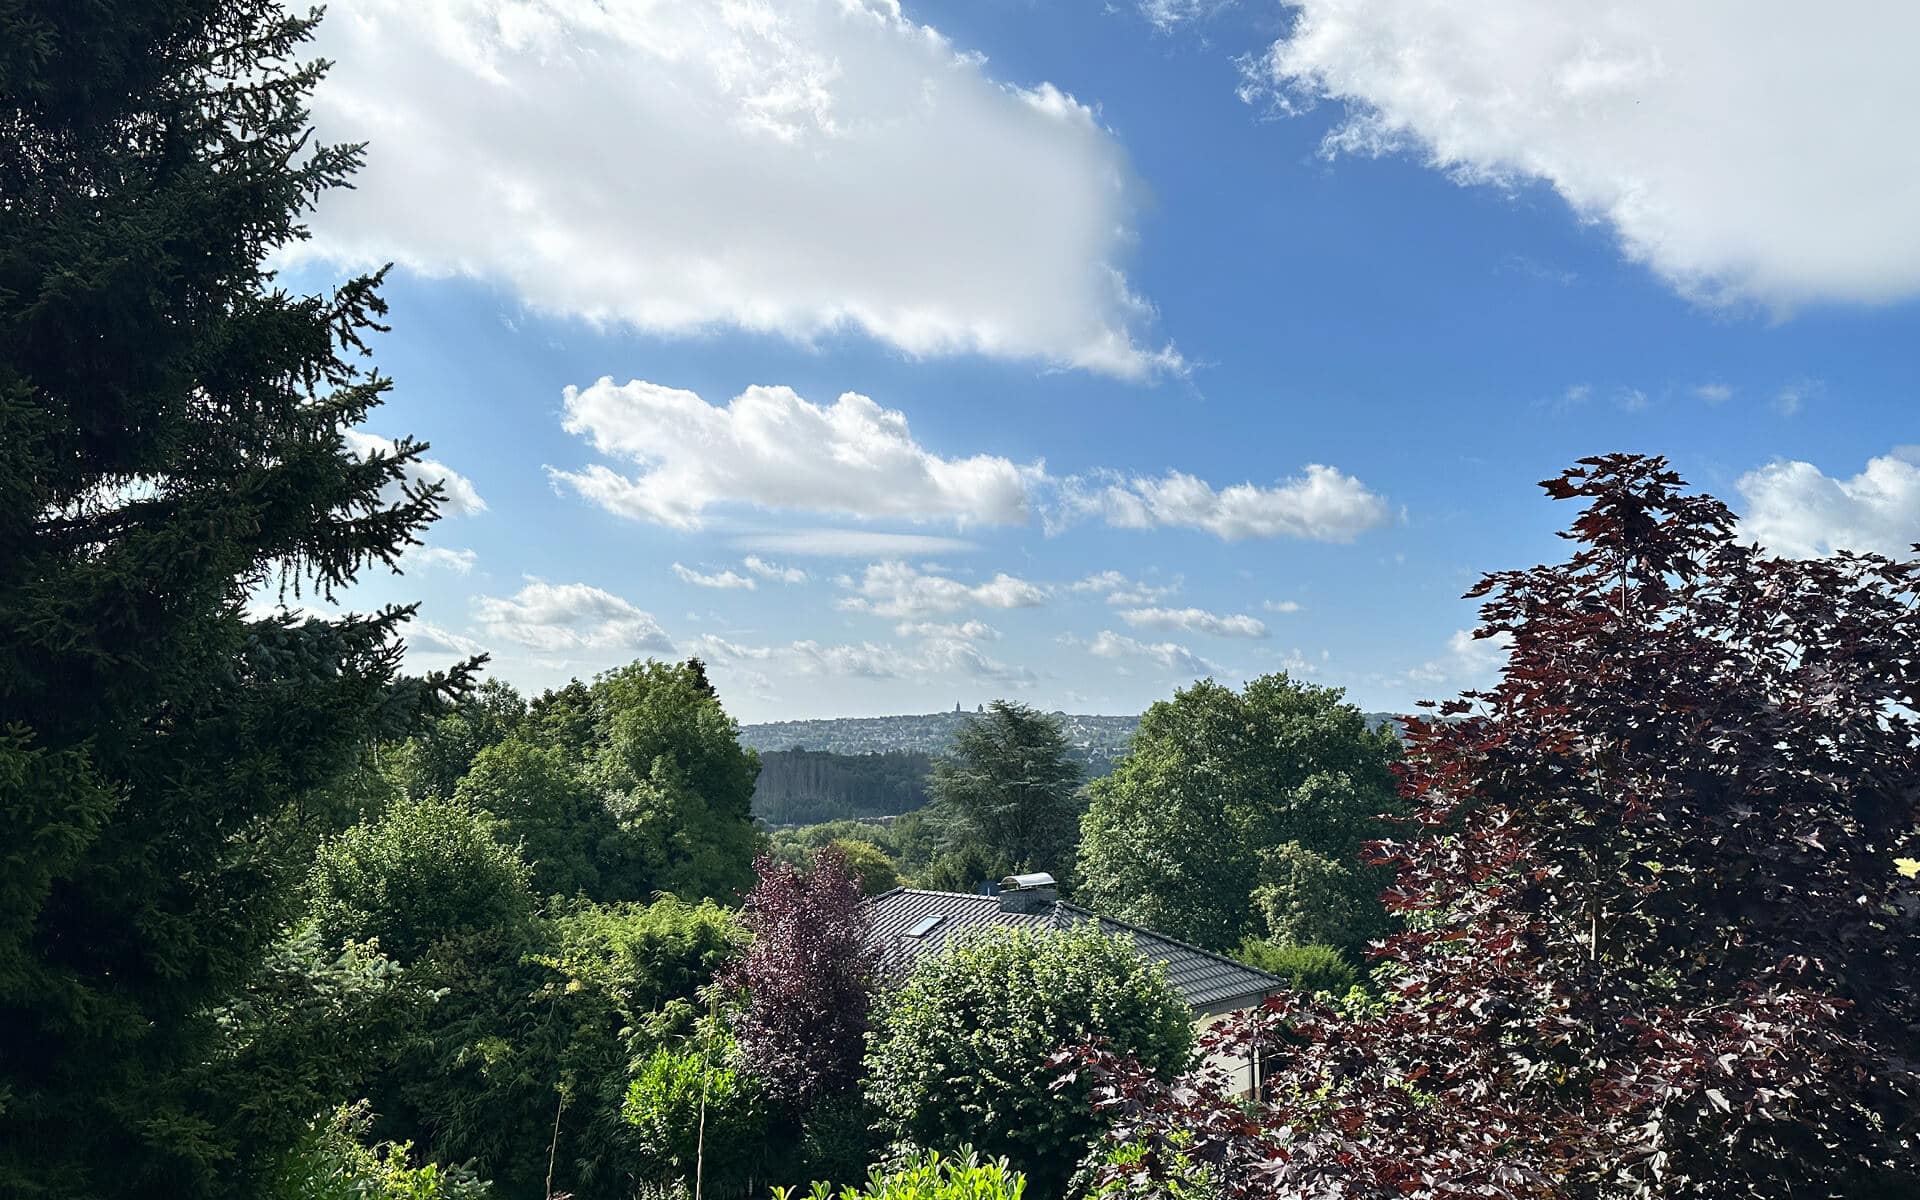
x: 1796, y: 510
x: 1742, y: 151
x: 796, y: 167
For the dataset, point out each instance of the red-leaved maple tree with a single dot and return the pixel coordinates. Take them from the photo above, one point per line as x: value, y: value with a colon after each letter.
x: 1658, y: 940
x: 808, y: 976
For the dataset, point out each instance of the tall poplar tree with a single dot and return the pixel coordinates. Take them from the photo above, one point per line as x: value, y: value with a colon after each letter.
x: 170, y: 450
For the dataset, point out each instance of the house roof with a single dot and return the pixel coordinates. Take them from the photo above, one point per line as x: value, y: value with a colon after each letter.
x: 1209, y: 983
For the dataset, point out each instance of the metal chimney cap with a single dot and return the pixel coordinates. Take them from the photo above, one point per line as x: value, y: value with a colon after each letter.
x: 1021, y: 883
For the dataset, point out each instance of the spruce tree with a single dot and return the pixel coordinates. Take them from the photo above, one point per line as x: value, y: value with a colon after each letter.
x: 170, y: 451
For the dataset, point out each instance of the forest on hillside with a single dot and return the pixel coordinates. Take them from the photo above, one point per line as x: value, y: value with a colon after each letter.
x: 807, y: 787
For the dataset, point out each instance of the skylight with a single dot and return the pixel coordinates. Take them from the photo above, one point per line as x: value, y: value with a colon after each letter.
x: 925, y: 926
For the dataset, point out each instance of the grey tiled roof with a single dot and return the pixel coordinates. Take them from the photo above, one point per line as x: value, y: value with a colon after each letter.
x: 1208, y: 982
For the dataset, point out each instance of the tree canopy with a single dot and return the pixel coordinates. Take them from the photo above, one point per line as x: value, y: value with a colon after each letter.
x: 1660, y: 943
x: 171, y: 451
x: 1234, y: 806
x: 1008, y: 791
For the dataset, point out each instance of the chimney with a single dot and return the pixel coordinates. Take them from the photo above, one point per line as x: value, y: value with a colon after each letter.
x: 1035, y: 893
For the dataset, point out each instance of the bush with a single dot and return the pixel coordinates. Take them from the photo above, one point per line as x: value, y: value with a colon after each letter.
x: 1308, y: 968
x: 427, y: 870
x: 665, y: 1108
x: 334, y: 1163
x: 930, y: 1176
x: 960, y: 1054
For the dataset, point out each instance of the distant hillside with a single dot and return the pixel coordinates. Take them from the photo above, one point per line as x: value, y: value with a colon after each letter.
x: 807, y: 787
x: 1099, y: 741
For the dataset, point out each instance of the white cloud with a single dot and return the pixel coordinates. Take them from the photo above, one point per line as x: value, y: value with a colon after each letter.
x: 1714, y: 393
x: 1469, y: 661
x: 795, y: 167
x: 937, y: 654
x: 423, y: 638
x: 853, y: 543
x: 1324, y: 505
x: 558, y: 617
x: 458, y: 497
x: 895, y: 589
x: 1196, y: 620
x: 1171, y: 656
x: 1740, y: 150
x: 1281, y: 606
x: 459, y: 561
x: 718, y: 579
x: 772, y: 449
x: 774, y: 571
x: 1121, y: 591
x: 1794, y: 509
x: 1164, y: 15
x: 967, y: 631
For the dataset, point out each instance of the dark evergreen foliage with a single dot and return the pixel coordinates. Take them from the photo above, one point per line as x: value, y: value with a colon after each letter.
x: 1009, y: 792
x: 808, y: 787
x: 170, y: 450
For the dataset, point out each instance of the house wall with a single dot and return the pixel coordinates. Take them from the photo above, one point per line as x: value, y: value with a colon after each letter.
x: 1238, y: 1070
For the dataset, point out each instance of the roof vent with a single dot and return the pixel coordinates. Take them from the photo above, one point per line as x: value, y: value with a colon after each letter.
x: 1034, y: 893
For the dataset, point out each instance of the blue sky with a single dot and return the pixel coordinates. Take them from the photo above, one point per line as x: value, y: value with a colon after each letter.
x: 1181, y: 338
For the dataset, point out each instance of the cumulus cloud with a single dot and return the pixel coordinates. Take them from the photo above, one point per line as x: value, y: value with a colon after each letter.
x: 443, y: 558
x: 770, y: 448
x: 1738, y: 150
x: 896, y: 589
x: 717, y: 579
x: 1468, y: 662
x: 773, y: 571
x: 1170, y: 656
x: 934, y: 655
x: 426, y: 639
x: 1119, y: 590
x: 853, y: 543
x: 1196, y: 620
x: 1324, y: 504
x: 794, y: 167
x: 1796, y: 510
x: 966, y: 631
x: 458, y: 497
x: 559, y: 617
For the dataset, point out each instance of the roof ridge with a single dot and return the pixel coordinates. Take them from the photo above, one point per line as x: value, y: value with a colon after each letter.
x: 1232, y: 962
x: 936, y: 892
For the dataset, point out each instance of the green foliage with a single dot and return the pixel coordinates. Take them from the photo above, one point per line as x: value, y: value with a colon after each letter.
x: 1181, y: 836
x: 1306, y: 897
x: 553, y: 1015
x: 171, y: 449
x: 426, y: 870
x: 928, y: 1175
x: 671, y: 762
x: 870, y: 865
x: 1010, y: 787
x: 430, y: 765
x: 960, y: 1052
x: 692, y: 1103
x: 334, y: 1162
x: 543, y: 802
x: 1309, y: 968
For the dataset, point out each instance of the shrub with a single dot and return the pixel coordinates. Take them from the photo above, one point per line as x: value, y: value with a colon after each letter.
x: 334, y: 1162
x: 929, y: 1176
x: 428, y: 869
x: 1308, y: 968
x: 694, y: 1111
x: 961, y: 1050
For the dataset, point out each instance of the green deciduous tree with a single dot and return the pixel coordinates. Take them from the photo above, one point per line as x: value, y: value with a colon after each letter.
x: 959, y: 1057
x: 170, y: 445
x: 1269, y: 790
x: 426, y: 870
x: 1010, y: 787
